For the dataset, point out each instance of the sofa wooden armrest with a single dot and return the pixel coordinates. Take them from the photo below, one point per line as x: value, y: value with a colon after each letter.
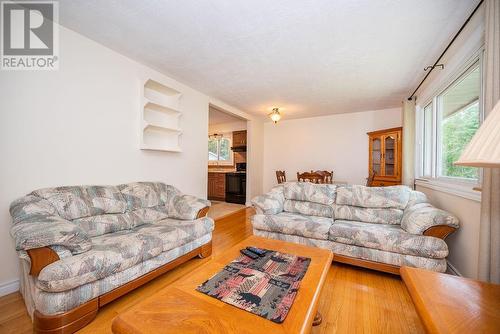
x: 203, y: 212
x: 439, y: 231
x: 40, y: 258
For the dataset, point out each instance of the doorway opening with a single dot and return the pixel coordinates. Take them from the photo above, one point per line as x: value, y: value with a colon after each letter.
x: 227, y: 162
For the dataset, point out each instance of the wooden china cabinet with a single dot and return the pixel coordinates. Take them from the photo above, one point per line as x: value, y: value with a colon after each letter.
x: 385, y: 155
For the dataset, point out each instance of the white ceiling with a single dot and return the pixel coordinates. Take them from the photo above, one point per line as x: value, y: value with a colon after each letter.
x: 309, y: 57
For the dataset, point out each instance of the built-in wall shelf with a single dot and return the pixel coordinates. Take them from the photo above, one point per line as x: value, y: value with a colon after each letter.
x: 158, y: 127
x: 160, y: 111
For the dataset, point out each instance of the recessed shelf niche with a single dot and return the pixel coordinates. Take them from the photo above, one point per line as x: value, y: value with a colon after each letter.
x: 160, y: 111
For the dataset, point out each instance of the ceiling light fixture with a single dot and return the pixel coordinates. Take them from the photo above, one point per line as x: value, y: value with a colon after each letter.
x: 275, y: 115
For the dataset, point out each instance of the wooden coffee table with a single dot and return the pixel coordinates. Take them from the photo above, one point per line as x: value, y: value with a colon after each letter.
x: 179, y: 308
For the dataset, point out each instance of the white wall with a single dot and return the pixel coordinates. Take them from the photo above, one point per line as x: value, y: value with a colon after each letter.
x: 337, y: 142
x: 463, y: 244
x: 227, y: 127
x: 80, y: 125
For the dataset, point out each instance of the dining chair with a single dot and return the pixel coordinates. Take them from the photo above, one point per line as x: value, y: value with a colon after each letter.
x: 328, y: 176
x: 370, y: 178
x: 311, y: 176
x: 281, y: 176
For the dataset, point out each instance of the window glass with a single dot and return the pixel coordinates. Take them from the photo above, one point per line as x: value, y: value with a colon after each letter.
x: 376, y: 154
x: 219, y: 150
x: 212, y: 149
x: 459, y: 119
x: 224, y: 149
x: 389, y: 148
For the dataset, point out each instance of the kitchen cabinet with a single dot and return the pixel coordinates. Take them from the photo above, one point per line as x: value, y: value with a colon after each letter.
x: 239, y: 138
x: 384, y: 156
x: 216, y: 186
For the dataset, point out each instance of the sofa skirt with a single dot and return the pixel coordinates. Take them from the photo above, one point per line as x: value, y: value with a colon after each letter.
x: 51, y: 303
x: 358, y: 252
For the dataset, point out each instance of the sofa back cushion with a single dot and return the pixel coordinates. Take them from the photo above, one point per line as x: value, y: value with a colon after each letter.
x: 31, y: 207
x: 83, y: 201
x: 146, y: 194
x: 310, y: 192
x: 148, y: 215
x: 373, y: 197
x: 103, y: 224
x: 416, y: 197
x: 308, y: 208
x: 368, y: 215
x: 98, y: 210
x: 142, y: 194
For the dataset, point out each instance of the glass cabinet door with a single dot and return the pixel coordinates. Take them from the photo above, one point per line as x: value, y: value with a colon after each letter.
x: 389, y: 156
x: 377, y: 155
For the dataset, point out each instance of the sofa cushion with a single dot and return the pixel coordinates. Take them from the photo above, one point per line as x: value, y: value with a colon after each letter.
x: 373, y: 197
x: 295, y: 224
x: 148, y: 215
x: 389, y: 238
x: 368, y: 215
x: 311, y: 192
x: 102, y: 224
x: 175, y: 233
x: 416, y: 197
x: 83, y: 201
x: 420, y: 217
x: 110, y: 253
x: 114, y: 252
x: 44, y: 231
x: 185, y: 206
x: 271, y: 202
x: 364, y: 253
x: 30, y: 207
x: 146, y: 194
x: 308, y: 208
x: 59, y: 302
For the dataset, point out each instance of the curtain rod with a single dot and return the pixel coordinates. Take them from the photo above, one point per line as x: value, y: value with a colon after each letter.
x: 446, y: 49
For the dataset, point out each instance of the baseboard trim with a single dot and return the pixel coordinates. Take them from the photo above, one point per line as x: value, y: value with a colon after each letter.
x: 9, y: 287
x: 453, y: 270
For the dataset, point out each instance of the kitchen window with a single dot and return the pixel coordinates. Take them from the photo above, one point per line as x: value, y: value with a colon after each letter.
x: 219, y: 149
x: 447, y: 123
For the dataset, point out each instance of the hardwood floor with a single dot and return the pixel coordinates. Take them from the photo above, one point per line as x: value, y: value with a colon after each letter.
x: 354, y: 300
x: 221, y: 209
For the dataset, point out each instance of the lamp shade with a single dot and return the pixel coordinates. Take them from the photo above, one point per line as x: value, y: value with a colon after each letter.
x: 484, y: 148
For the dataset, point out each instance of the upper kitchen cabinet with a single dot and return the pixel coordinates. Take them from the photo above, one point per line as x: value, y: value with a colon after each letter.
x: 239, y: 138
x: 239, y: 141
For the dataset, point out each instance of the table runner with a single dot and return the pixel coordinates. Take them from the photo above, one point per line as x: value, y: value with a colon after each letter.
x: 266, y: 286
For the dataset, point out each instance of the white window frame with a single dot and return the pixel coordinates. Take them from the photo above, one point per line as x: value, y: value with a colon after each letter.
x: 456, y: 186
x: 230, y: 162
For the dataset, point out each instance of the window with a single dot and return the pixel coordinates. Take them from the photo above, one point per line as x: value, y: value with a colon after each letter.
x: 219, y: 149
x: 427, y: 161
x: 447, y: 124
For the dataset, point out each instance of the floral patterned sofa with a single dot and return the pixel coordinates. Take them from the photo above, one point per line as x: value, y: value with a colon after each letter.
x: 380, y: 228
x: 82, y: 246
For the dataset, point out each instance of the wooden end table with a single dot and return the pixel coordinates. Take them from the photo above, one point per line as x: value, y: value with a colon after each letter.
x: 452, y: 304
x: 179, y: 308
